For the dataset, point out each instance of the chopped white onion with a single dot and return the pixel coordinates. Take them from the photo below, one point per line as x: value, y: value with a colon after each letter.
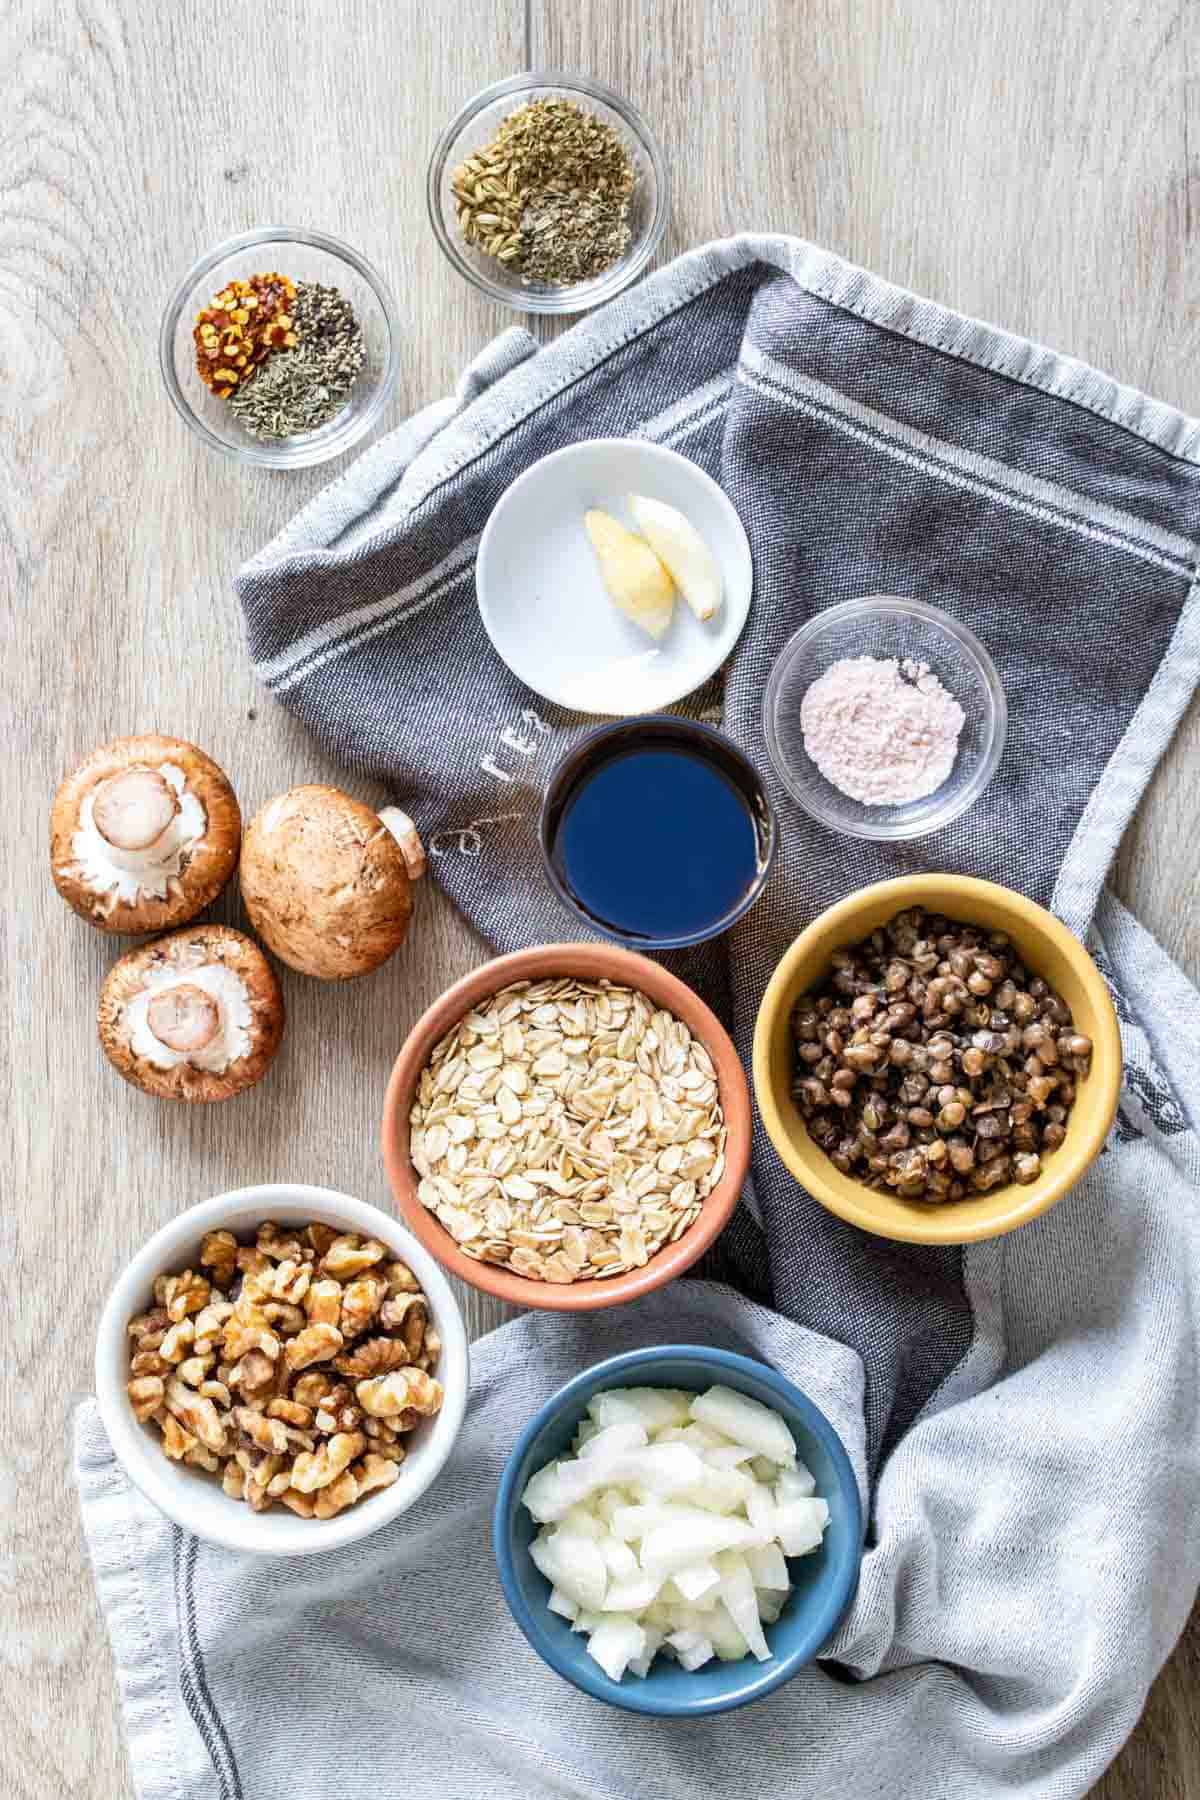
x: 746, y: 1421
x: 562, y: 1604
x: 692, y: 1648
x: 800, y: 1526
x: 741, y: 1603
x: 795, y: 1484
x: 666, y: 1533
x: 614, y: 1440
x: 652, y: 1408
x: 674, y: 1546
x: 615, y: 1643
x: 767, y: 1567
x: 696, y: 1579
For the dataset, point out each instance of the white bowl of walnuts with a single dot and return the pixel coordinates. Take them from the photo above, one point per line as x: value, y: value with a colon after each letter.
x: 282, y: 1369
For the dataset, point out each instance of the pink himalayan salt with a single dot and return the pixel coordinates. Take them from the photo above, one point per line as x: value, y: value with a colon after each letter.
x: 881, y: 732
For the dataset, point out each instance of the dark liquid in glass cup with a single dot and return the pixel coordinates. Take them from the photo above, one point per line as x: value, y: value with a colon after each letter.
x: 657, y: 832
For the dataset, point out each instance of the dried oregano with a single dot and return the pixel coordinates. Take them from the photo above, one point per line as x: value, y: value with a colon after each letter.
x: 549, y: 196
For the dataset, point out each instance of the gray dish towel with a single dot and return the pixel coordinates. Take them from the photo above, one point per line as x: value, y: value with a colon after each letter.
x: 1024, y: 1413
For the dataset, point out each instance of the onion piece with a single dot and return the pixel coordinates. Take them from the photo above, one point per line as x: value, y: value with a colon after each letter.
x: 574, y: 1565
x: 632, y: 1595
x: 697, y: 1579
x: 615, y: 1643
x: 746, y: 1421
x: 655, y: 1639
x: 631, y: 1523
x: 727, y: 1456
x: 562, y: 1604
x: 674, y: 1546
x: 795, y: 1484
x: 622, y: 1563
x: 652, y: 1408
x: 800, y: 1526
x: 718, y: 1491
x: 615, y: 1440
x: 767, y: 1567
x: 692, y: 1648
x: 760, y: 1509
x: 741, y: 1603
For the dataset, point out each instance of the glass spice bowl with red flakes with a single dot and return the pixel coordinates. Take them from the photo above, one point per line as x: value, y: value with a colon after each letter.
x: 280, y: 347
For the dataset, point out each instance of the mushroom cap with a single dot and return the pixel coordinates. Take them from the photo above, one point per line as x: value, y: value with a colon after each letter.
x: 195, y: 947
x: 206, y: 864
x: 325, y: 883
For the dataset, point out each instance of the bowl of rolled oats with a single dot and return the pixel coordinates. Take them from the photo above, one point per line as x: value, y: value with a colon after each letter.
x: 567, y: 1127
x: 282, y: 1369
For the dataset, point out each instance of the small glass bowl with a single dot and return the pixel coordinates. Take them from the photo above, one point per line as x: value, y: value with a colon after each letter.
x: 303, y: 256
x: 476, y: 125
x: 884, y: 625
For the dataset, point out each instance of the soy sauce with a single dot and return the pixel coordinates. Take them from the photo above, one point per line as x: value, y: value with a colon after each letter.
x: 661, y: 836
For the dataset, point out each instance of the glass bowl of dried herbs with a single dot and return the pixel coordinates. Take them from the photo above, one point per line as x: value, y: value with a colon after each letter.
x: 280, y: 347
x: 548, y: 192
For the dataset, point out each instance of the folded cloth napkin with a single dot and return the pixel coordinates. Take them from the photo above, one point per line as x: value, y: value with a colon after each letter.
x: 1022, y: 1413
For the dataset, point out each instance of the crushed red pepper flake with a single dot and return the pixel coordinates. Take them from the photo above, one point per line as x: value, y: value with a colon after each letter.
x: 246, y: 321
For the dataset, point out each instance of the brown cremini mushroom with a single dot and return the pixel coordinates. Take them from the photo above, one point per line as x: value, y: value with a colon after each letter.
x: 144, y: 834
x: 326, y: 882
x: 196, y: 1016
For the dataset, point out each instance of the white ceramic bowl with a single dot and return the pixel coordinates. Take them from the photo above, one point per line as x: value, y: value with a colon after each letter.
x: 544, y: 605
x: 195, y: 1499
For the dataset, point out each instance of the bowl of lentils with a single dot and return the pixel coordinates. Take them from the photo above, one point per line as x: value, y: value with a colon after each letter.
x: 548, y: 192
x: 280, y: 347
x: 937, y: 1059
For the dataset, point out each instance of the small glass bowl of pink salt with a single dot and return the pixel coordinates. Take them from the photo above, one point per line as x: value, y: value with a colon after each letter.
x: 884, y: 718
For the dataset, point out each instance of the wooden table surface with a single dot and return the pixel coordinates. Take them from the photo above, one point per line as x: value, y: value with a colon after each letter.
x: 1026, y: 163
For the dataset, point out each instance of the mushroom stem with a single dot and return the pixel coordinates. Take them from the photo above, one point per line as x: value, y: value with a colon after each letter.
x: 405, y: 834
x: 184, y: 1018
x: 132, y: 810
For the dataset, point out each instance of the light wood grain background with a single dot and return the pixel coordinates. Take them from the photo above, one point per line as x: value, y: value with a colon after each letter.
x: 1026, y: 163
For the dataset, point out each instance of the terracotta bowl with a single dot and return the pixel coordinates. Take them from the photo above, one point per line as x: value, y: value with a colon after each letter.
x: 1048, y: 949
x: 590, y: 962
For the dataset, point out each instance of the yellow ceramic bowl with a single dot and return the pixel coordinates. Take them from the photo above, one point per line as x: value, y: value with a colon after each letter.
x: 1048, y: 949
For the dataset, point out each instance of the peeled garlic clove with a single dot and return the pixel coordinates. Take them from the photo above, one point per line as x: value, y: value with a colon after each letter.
x: 636, y: 581
x: 679, y: 546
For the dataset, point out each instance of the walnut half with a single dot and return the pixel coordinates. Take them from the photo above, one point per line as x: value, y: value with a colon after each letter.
x: 405, y: 1389
x: 374, y: 1356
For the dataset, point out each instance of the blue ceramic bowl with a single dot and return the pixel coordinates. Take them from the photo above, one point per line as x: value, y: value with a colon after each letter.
x: 824, y: 1582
